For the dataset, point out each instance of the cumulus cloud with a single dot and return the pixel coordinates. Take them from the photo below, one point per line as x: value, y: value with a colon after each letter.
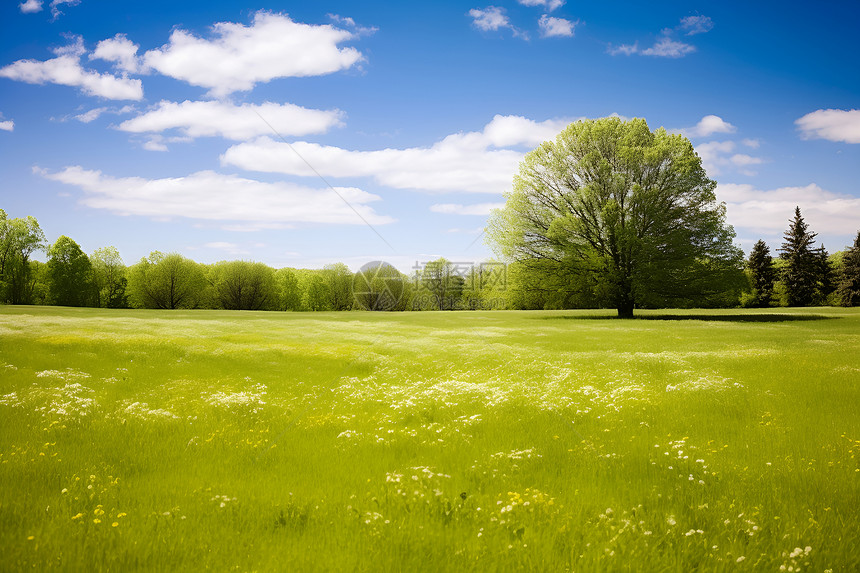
x: 479, y: 162
x: 237, y: 122
x: 30, y: 6
x: 458, y: 209
x: 492, y: 19
x: 7, y: 125
x: 237, y: 57
x: 67, y: 71
x: 831, y: 124
x: 551, y: 26
x: 693, y: 25
x: 119, y: 50
x: 709, y: 125
x: 489, y: 19
x: 548, y: 5
x: 767, y: 212
x: 719, y: 155
x: 207, y: 195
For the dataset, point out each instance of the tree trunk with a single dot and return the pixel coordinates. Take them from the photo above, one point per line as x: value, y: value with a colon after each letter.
x: 625, y: 308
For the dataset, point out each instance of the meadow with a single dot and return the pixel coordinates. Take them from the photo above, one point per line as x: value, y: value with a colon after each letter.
x: 136, y: 440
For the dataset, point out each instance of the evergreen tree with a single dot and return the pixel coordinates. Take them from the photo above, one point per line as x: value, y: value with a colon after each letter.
x: 762, y: 273
x: 849, y: 282
x: 826, y: 282
x: 800, y: 274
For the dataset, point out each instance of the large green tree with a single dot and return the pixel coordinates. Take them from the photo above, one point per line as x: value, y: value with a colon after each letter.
x: 243, y: 285
x: 19, y: 239
x: 443, y: 283
x: 762, y: 274
x: 70, y: 274
x: 849, y: 280
x: 166, y: 281
x: 289, y: 290
x: 338, y: 278
x: 109, y: 278
x: 802, y: 267
x: 631, y: 207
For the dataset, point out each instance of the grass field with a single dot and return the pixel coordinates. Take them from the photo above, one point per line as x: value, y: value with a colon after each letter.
x: 149, y: 440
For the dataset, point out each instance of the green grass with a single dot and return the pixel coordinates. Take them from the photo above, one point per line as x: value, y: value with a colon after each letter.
x: 148, y: 440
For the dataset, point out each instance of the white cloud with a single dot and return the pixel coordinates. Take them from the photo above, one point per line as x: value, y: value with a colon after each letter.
x: 119, y: 50
x: 7, y: 125
x: 709, y: 125
x: 66, y: 70
x: 693, y: 25
x: 751, y: 143
x: 718, y: 155
x: 91, y: 115
x: 350, y: 23
x: 768, y: 212
x: 551, y: 26
x: 97, y: 112
x: 623, y: 49
x: 666, y: 47
x: 492, y: 19
x: 237, y: 122
x: 238, y: 57
x: 55, y: 4
x: 30, y: 6
x: 155, y: 144
x: 208, y: 195
x: 831, y: 124
x: 548, y: 5
x: 479, y: 162
x: 489, y: 19
x: 229, y: 248
x: 458, y: 209
x: 74, y: 48
x: 669, y: 48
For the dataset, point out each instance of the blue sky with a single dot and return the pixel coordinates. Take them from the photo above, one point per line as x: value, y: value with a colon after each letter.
x: 215, y: 130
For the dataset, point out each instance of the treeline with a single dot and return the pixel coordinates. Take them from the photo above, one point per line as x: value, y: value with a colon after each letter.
x: 803, y: 275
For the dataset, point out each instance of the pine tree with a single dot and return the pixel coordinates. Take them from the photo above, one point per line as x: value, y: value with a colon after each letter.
x: 849, y: 283
x: 800, y: 274
x: 826, y: 280
x: 762, y: 274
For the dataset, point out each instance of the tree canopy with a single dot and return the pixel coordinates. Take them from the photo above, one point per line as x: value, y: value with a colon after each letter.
x: 165, y: 281
x: 70, y: 274
x: 632, y: 208
x: 19, y: 239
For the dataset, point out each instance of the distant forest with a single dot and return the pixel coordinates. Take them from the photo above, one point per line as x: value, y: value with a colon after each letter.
x: 801, y: 275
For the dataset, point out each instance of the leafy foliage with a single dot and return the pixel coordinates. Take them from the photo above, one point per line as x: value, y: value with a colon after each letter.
x: 630, y: 207
x: 70, y: 274
x: 165, y: 281
x: 242, y: 285
x: 19, y: 239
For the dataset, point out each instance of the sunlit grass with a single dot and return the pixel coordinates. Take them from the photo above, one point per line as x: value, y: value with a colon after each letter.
x: 145, y: 440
